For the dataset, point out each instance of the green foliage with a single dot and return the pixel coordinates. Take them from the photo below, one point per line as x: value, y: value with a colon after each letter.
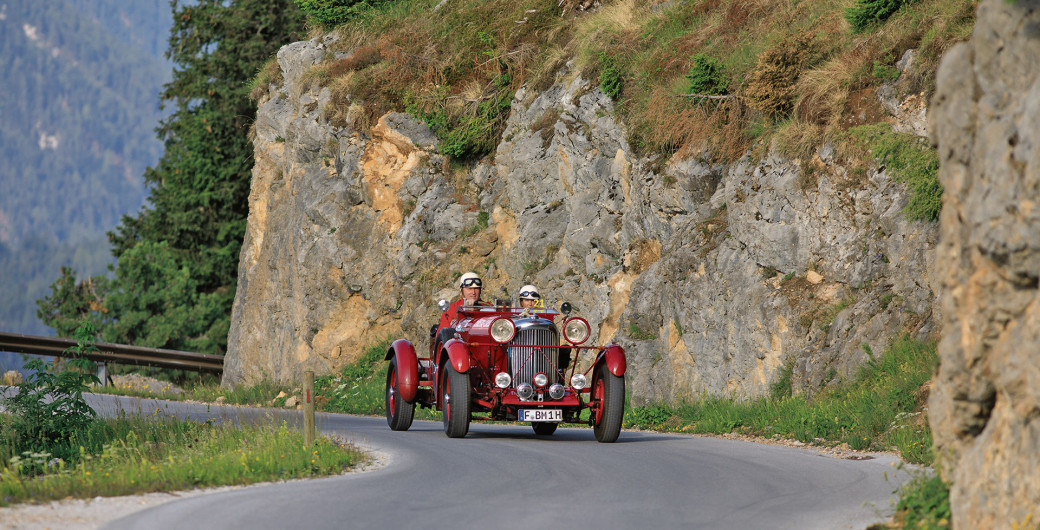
x: 707, y: 76
x: 50, y: 414
x: 866, y: 13
x: 331, y: 13
x: 178, y: 259
x: 651, y: 416
x: 912, y: 161
x: 611, y: 77
x: 782, y: 388
x: 878, y: 410
x: 885, y: 72
x: 136, y: 454
x: 637, y: 333
x: 358, y: 389
x: 924, y: 502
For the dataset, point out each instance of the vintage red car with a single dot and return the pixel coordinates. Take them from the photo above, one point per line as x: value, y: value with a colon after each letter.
x: 508, y: 364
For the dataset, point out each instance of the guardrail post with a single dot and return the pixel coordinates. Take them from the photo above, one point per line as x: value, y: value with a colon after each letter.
x: 102, y: 373
x: 308, y: 408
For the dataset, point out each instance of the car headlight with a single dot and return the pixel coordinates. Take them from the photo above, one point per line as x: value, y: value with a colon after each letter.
x: 576, y: 330
x: 540, y: 380
x: 556, y: 391
x: 502, y: 380
x: 525, y: 391
x: 502, y: 330
x: 578, y: 381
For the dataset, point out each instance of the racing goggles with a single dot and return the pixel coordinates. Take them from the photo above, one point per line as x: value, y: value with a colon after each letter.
x: 530, y: 294
x: 471, y: 282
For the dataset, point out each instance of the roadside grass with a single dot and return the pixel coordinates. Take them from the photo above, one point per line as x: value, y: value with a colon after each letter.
x: 133, y: 454
x: 880, y: 409
x: 358, y: 388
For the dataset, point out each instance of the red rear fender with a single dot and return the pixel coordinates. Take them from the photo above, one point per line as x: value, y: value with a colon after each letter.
x: 403, y: 354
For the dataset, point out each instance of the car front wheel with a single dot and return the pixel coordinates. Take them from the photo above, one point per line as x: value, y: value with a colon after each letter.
x: 608, y: 390
x: 455, y: 402
x: 399, y: 413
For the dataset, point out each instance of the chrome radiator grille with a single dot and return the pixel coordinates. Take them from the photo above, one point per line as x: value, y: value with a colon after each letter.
x: 526, y: 360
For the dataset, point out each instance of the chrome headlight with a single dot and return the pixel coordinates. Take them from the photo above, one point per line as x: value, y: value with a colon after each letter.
x: 576, y: 330
x: 556, y: 391
x: 525, y: 391
x: 578, y: 381
x: 540, y: 380
x: 502, y: 330
x: 502, y: 380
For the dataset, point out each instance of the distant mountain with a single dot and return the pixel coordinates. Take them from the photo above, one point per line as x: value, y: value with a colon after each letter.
x: 78, y: 112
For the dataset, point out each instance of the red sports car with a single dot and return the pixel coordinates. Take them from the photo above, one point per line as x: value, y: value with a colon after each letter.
x: 508, y: 364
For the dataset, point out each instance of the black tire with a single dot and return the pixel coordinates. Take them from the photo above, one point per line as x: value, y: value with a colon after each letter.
x: 609, y: 389
x: 544, y: 428
x: 399, y: 413
x: 455, y: 396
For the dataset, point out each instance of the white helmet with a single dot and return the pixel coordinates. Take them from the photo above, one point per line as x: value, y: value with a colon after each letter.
x: 470, y: 279
x: 529, y: 292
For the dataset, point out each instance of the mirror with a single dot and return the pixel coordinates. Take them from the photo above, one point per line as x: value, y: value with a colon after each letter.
x: 565, y: 308
x: 443, y: 304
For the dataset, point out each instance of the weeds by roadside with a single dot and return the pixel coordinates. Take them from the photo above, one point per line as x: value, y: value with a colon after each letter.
x: 53, y: 445
x: 137, y: 454
x: 879, y: 410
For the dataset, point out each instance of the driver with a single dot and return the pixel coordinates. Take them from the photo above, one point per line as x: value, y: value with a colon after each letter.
x: 469, y: 286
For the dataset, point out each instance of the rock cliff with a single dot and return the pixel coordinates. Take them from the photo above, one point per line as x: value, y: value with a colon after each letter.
x: 985, y: 407
x: 714, y: 277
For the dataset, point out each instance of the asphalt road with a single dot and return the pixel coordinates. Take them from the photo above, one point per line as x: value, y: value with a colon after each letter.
x: 502, y: 475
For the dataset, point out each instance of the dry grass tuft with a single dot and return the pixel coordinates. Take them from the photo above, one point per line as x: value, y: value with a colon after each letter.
x: 771, y: 85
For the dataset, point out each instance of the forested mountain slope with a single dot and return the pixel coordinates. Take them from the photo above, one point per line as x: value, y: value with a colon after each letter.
x: 78, y: 109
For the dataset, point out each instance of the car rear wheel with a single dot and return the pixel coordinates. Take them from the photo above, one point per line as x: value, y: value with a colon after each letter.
x: 544, y: 428
x: 399, y: 413
x: 455, y: 393
x: 608, y: 390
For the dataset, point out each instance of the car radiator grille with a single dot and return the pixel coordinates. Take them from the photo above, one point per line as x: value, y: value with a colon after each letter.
x: 526, y: 360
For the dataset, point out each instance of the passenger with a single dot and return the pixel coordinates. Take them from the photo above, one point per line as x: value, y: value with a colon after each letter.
x: 469, y: 287
x: 529, y: 297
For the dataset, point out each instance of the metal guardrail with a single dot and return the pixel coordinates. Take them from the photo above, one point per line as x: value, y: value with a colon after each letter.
x: 114, y: 353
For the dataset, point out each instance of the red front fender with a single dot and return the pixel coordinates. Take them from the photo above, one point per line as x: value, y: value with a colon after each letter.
x: 407, y: 368
x: 458, y: 355
x: 614, y: 358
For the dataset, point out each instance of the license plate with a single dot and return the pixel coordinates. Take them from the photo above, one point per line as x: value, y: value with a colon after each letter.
x: 540, y: 415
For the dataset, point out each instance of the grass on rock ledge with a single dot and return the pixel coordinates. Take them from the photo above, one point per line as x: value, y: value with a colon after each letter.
x: 134, y: 454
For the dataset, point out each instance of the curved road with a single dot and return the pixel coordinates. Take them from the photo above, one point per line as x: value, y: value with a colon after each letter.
x: 503, y: 475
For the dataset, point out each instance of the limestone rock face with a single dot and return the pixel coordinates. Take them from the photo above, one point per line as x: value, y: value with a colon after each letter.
x: 985, y: 406
x: 713, y: 277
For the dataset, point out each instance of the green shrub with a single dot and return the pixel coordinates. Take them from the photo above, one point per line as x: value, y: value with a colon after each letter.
x: 707, y: 76
x: 611, y: 80
x: 330, y: 13
x: 869, y: 12
x: 912, y: 161
x: 924, y: 502
x: 54, y: 427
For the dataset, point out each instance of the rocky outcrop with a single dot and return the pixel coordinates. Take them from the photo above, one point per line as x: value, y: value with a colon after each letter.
x: 985, y: 406
x: 713, y: 277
